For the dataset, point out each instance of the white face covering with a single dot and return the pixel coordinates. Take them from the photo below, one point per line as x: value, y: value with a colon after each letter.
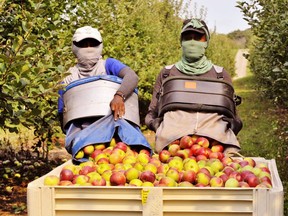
x: 87, y: 57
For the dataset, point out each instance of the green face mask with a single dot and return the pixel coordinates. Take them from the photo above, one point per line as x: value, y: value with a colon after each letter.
x: 193, y: 50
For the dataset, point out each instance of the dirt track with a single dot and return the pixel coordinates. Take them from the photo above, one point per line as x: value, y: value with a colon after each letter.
x: 240, y: 64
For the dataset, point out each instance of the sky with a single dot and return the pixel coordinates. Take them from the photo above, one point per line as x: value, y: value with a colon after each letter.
x: 223, y: 14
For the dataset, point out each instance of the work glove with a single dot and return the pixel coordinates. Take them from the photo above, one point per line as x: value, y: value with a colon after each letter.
x: 117, y: 106
x: 234, y: 124
x: 155, y: 124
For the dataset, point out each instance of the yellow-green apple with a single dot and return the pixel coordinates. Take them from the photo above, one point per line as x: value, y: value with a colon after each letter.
x: 147, y: 184
x: 188, y: 176
x: 138, y: 166
x: 202, y: 178
x: 66, y: 174
x: 115, y: 158
x: 127, y: 166
x: 129, y: 159
x: 216, y: 166
x: 150, y: 166
x: 79, y: 154
x: 51, y: 180
x: 216, y: 182
x: 112, y: 142
x: 117, y: 178
x: 201, y: 163
x: 70, y: 167
x: 87, y: 163
x: 231, y: 183
x: 167, y: 182
x: 182, y: 153
x: 101, y: 168
x: 88, y: 149
x: 164, y: 155
x: 185, y: 184
x: 99, y: 182
x: 136, y: 182
x: 203, y: 141
x: 94, y: 176
x: 191, y: 164
x: 173, y: 149
x: 256, y: 170
x: 147, y: 175
x: 143, y: 158
x: 185, y: 142
x: 217, y: 148
x: 106, y: 175
x: 80, y: 179
x: 163, y: 168
x: 131, y: 173
x: 176, y: 163
x: 173, y: 173
x: 100, y: 146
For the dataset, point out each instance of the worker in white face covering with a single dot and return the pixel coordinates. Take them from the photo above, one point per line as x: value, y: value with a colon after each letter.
x: 87, y: 46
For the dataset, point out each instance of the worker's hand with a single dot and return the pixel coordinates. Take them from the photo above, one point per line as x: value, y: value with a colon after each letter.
x: 118, y: 107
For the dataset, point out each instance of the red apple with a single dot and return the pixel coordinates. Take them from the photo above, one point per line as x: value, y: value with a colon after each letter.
x: 236, y: 175
x: 66, y: 174
x: 194, y: 148
x: 121, y: 145
x: 216, y: 182
x: 182, y: 153
x: 117, y: 178
x: 185, y: 142
x: 252, y: 180
x: 189, y: 176
x: 164, y: 155
x: 147, y: 176
x: 167, y: 182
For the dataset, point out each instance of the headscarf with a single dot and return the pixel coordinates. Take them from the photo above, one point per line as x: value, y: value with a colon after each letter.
x: 194, y: 61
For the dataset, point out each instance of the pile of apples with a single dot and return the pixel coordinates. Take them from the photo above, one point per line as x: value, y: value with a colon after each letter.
x: 192, y: 161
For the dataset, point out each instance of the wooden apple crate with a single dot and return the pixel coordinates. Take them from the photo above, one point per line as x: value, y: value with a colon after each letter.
x: 155, y: 201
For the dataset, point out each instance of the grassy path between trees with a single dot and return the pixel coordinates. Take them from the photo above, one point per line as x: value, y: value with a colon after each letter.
x: 264, y: 133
